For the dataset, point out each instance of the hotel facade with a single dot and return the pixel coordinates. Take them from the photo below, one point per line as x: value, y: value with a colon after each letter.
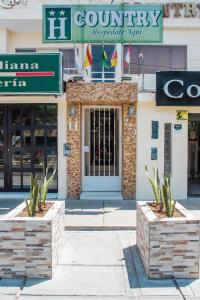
x: 107, y: 123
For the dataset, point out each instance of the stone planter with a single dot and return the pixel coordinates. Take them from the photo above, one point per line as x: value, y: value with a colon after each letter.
x: 30, y: 247
x: 170, y: 246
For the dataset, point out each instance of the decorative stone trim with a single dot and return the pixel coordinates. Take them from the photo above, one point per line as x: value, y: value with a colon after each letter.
x: 170, y: 246
x: 30, y: 247
x: 103, y: 93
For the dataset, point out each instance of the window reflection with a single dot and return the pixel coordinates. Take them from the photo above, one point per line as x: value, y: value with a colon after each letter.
x: 16, y: 136
x: 39, y: 137
x: 39, y: 158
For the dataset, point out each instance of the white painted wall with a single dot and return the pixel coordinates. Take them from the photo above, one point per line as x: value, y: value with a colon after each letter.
x: 147, y: 112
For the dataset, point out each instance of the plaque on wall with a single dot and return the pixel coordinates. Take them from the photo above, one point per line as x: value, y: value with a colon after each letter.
x: 154, y: 153
x: 154, y: 129
x: 167, y: 148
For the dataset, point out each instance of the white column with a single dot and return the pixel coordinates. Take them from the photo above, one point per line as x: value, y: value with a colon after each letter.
x: 118, y: 69
x: 4, y: 35
x: 62, y: 160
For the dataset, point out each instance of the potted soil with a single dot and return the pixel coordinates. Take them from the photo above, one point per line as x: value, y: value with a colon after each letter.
x: 167, y: 234
x: 31, y: 235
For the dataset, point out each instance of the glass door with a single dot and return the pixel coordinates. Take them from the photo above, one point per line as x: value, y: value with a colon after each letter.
x: 28, y: 143
x: 101, y: 149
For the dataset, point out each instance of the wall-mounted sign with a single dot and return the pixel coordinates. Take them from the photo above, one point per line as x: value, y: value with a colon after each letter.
x: 181, y: 115
x: 154, y: 129
x: 181, y: 9
x: 178, y: 128
x: 11, y: 3
x: 39, y: 73
x: 67, y: 149
x: 154, y: 153
x: 167, y: 148
x: 178, y: 88
x: 102, y: 23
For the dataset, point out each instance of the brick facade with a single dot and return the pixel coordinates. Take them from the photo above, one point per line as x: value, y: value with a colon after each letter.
x: 109, y: 94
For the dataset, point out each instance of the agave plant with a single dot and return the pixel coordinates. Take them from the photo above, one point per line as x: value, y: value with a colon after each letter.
x: 34, y: 199
x: 167, y: 199
x: 155, y: 184
x: 46, y: 182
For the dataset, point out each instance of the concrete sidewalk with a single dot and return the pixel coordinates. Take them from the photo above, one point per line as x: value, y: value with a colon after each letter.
x: 100, y: 215
x: 99, y: 265
x: 107, y: 215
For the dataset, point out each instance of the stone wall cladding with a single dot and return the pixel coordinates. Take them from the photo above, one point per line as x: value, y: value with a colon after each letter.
x: 74, y: 160
x: 109, y: 94
x: 101, y: 93
x: 30, y: 247
x: 168, y: 247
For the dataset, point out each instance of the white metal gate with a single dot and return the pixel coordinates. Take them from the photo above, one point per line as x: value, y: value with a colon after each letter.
x: 101, y: 163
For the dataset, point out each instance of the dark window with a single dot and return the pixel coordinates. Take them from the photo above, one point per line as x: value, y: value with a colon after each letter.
x: 68, y: 58
x: 155, y: 58
x: 26, y: 50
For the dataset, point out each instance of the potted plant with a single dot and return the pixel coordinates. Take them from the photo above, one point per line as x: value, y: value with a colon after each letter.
x: 167, y: 234
x: 31, y: 235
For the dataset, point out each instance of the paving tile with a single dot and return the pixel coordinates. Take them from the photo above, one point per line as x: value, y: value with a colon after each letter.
x: 8, y: 297
x: 122, y: 218
x: 195, y: 286
x: 83, y: 219
x: 79, y: 298
x: 91, y: 248
x: 79, y: 280
x: 10, y: 286
x: 185, y: 287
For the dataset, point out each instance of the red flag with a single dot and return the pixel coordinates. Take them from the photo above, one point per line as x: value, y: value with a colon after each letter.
x: 88, y: 58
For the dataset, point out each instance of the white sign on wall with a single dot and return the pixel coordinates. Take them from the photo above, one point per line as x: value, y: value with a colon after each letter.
x: 11, y: 3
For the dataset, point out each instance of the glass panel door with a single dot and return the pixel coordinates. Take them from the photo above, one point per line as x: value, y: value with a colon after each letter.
x: 28, y: 138
x: 101, y: 147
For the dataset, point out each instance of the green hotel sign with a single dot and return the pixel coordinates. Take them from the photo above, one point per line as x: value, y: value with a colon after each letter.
x: 34, y: 73
x: 102, y: 23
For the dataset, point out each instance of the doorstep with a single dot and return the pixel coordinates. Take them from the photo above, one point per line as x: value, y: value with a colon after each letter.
x: 22, y: 195
x: 101, y: 196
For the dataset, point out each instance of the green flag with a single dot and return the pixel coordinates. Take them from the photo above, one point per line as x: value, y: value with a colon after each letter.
x: 104, y: 60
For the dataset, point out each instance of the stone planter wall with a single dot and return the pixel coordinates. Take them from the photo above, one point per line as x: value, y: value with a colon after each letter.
x: 30, y: 247
x: 168, y: 247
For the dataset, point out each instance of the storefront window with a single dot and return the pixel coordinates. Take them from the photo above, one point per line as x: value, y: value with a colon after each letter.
x: 154, y: 59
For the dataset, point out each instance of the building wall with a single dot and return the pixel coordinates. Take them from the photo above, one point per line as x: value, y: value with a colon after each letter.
x: 109, y: 94
x: 147, y: 112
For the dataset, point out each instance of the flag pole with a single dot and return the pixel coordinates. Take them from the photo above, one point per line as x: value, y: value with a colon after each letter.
x: 129, y: 65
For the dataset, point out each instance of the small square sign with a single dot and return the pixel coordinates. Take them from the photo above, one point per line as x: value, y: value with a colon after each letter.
x: 56, y: 24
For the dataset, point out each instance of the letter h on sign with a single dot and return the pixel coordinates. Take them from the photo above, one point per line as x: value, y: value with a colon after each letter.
x: 57, y: 24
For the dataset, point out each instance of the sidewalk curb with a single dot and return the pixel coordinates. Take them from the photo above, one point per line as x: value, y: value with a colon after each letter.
x: 99, y: 228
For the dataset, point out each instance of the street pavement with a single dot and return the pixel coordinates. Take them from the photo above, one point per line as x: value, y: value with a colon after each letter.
x: 100, y: 260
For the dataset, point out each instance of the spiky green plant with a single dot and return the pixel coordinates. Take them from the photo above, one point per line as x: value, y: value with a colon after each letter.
x: 46, y: 182
x: 155, y: 184
x: 34, y: 197
x: 167, y: 199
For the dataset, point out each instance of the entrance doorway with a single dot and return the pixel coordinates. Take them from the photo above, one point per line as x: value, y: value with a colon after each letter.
x: 101, y: 154
x: 194, y: 154
x: 28, y: 142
